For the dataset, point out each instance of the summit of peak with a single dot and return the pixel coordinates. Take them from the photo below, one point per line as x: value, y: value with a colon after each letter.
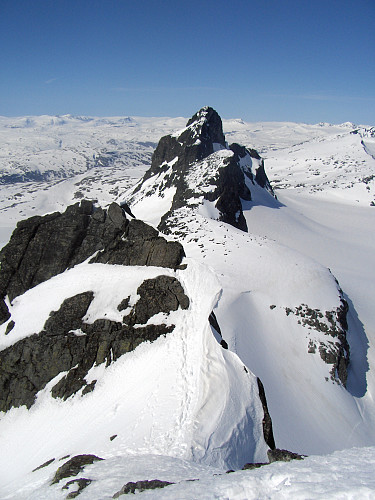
x: 206, y: 125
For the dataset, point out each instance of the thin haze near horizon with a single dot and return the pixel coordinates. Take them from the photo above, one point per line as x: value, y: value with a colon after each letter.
x: 270, y: 60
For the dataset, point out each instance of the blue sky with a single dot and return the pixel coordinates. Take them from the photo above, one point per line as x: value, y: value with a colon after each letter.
x: 265, y: 60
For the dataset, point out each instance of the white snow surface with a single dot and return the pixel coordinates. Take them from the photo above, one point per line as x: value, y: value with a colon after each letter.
x: 324, y: 175
x: 182, y: 396
x: 343, y: 475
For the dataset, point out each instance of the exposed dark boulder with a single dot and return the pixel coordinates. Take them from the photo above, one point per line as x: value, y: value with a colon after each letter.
x: 278, y: 455
x: 161, y: 294
x: 214, y: 322
x: 196, y: 141
x: 252, y: 466
x: 262, y: 179
x: 139, y: 486
x: 68, y: 344
x: 9, y: 327
x: 334, y: 349
x: 140, y: 245
x: 42, y: 247
x: 69, y: 316
x: 74, y: 466
x: 82, y: 483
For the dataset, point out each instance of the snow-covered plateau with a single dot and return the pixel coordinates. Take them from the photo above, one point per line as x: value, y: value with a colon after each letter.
x: 275, y: 289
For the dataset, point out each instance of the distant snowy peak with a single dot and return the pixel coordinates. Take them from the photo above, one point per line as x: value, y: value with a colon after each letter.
x: 195, y: 165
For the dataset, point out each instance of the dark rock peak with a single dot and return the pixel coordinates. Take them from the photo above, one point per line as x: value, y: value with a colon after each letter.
x: 185, y: 158
x: 202, y: 135
x: 207, y: 125
x: 42, y: 247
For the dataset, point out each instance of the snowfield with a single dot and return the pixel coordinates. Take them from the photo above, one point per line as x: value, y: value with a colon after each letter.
x: 183, y: 407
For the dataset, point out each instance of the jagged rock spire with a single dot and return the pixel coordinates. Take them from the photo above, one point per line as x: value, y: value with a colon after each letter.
x: 198, y: 164
x: 201, y: 136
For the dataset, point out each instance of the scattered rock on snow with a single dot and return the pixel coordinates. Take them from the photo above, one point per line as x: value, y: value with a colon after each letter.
x: 131, y: 487
x: 82, y: 483
x: 278, y: 455
x: 74, y: 466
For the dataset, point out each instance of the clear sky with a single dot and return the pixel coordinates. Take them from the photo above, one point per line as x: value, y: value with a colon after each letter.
x: 264, y: 60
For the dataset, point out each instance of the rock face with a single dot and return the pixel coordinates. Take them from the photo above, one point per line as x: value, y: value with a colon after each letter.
x: 74, y: 466
x: 267, y: 421
x: 327, y: 334
x: 68, y: 344
x: 198, y: 163
x: 42, y: 247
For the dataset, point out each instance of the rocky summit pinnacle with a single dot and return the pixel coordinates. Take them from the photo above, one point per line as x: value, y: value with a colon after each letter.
x: 198, y: 164
x: 201, y: 137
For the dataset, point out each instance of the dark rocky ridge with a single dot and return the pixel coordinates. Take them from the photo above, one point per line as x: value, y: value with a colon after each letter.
x: 28, y: 365
x: 202, y: 136
x: 334, y: 349
x: 42, y: 247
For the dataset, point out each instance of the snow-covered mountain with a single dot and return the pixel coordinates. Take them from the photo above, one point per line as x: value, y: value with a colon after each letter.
x: 168, y: 352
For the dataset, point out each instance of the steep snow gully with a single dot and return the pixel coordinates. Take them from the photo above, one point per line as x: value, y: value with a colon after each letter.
x: 137, y: 335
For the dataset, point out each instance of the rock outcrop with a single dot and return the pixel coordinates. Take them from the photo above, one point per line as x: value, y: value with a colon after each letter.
x: 68, y: 344
x: 139, y: 486
x: 199, y: 165
x: 42, y: 247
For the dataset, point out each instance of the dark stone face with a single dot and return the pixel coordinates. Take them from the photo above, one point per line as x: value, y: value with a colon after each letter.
x: 132, y: 487
x: 28, y: 365
x: 278, y: 455
x: 42, y: 247
x: 74, y: 466
x: 267, y: 422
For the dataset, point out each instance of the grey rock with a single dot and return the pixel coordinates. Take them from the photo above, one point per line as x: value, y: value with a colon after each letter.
x: 9, y: 327
x: 251, y: 466
x: 42, y: 247
x: 201, y: 137
x: 46, y: 464
x: 4, y: 312
x: 74, y: 466
x: 278, y: 455
x: 69, y: 316
x: 28, y: 365
x: 82, y: 483
x: 160, y: 294
x: 131, y: 487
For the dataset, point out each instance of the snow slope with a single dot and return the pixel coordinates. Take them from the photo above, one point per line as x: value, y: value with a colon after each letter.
x: 182, y: 396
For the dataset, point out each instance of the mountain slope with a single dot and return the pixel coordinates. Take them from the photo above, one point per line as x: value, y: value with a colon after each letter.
x: 256, y: 282
x: 282, y: 313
